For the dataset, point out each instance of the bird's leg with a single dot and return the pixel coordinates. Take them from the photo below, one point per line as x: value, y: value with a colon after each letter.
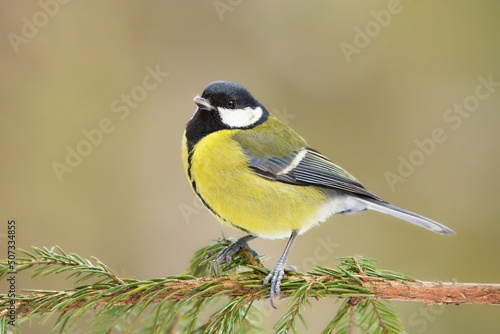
x: 227, y: 253
x: 276, y: 275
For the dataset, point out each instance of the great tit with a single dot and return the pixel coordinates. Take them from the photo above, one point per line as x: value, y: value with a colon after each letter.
x: 254, y: 173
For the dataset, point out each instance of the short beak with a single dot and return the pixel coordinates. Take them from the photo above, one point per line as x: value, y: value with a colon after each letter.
x: 203, y: 103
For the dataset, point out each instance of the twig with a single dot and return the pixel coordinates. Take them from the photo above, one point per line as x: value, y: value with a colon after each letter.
x: 418, y: 291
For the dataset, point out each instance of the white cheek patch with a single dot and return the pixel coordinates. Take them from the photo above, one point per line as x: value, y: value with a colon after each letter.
x: 240, y: 118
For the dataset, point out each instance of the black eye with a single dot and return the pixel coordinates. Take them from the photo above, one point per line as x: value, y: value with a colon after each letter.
x: 230, y: 104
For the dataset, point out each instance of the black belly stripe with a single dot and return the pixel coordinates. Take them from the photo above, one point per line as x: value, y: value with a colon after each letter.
x: 193, y: 184
x: 189, y: 158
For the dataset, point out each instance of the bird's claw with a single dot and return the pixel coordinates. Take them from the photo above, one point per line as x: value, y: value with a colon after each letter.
x: 274, y: 277
x: 227, y: 253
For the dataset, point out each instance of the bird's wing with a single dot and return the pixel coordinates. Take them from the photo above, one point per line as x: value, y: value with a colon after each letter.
x: 276, y: 152
x: 308, y: 167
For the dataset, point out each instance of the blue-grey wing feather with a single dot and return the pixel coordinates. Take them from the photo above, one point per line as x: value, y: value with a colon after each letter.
x: 313, y: 169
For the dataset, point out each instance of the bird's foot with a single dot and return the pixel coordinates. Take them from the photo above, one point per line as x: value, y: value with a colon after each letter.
x: 227, y: 253
x: 275, y: 277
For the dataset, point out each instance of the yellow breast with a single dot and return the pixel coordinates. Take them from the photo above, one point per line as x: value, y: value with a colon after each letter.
x: 239, y: 197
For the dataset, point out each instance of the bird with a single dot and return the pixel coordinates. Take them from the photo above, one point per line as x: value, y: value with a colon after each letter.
x: 254, y: 173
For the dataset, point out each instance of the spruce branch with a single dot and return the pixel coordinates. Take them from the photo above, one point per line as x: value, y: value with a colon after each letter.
x: 178, y: 300
x: 247, y: 285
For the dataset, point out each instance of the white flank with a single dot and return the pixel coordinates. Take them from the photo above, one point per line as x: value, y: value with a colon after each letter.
x: 333, y: 206
x: 240, y: 118
x: 337, y: 205
x: 295, y: 162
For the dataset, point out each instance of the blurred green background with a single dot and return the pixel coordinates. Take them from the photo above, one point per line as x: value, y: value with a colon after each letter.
x: 67, y: 67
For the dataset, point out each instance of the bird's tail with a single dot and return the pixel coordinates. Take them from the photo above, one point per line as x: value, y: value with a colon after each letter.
x: 411, y: 217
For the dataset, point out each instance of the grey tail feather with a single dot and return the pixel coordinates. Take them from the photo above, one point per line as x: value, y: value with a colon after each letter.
x: 409, y: 216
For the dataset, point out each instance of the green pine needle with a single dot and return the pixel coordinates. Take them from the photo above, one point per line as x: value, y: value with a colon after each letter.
x: 199, y: 309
